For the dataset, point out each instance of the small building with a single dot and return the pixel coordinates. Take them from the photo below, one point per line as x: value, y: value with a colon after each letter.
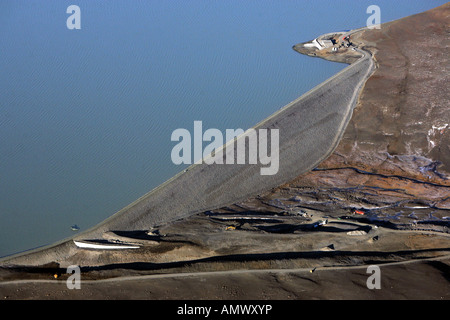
x: 326, y: 43
x: 319, y: 44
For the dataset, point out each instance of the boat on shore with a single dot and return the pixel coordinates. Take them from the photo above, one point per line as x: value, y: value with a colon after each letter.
x: 102, y: 246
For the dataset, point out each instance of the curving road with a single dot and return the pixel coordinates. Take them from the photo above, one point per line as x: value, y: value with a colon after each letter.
x: 310, y: 129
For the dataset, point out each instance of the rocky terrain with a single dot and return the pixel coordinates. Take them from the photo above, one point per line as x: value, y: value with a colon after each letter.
x: 382, y: 197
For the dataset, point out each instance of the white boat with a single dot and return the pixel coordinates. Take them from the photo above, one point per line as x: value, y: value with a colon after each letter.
x: 102, y: 246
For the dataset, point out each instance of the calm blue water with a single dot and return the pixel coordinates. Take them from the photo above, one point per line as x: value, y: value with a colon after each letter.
x: 86, y: 115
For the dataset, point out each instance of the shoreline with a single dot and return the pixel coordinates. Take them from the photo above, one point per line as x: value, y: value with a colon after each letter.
x: 380, y: 199
x: 329, y: 113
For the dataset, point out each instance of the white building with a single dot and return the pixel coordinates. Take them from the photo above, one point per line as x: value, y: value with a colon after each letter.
x: 319, y: 44
x: 326, y: 43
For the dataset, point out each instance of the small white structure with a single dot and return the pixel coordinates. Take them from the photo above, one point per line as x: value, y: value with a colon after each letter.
x: 90, y: 245
x: 313, y: 44
x: 319, y: 44
x: 326, y: 43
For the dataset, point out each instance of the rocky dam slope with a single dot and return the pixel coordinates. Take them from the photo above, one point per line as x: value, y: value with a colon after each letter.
x: 381, y: 196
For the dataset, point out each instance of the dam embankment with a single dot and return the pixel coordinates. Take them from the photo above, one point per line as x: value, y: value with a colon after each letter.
x: 309, y: 130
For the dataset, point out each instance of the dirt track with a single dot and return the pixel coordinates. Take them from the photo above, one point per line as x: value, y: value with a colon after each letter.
x: 385, y: 180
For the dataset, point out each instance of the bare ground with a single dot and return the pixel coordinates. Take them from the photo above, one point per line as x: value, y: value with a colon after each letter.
x: 381, y: 198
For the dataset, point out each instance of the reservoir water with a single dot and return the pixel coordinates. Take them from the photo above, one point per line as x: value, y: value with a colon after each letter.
x: 86, y: 115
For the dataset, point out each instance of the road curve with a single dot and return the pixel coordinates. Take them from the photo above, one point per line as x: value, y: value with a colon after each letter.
x: 310, y: 128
